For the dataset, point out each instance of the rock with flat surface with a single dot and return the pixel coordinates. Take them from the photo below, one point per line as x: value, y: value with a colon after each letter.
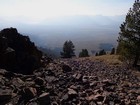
x: 72, y: 93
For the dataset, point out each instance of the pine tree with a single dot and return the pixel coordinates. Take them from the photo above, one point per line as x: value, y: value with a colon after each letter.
x: 84, y: 53
x: 96, y: 54
x: 102, y: 52
x: 129, y: 39
x: 112, y: 51
x: 68, y: 49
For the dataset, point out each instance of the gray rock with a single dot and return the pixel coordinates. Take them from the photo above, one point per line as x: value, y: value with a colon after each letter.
x: 18, y: 82
x: 90, y: 98
x: 93, y: 84
x: 64, y: 98
x: 78, y: 76
x: 85, y: 79
x: 107, y: 82
x: 99, y: 97
x: 72, y: 94
x: 138, y: 98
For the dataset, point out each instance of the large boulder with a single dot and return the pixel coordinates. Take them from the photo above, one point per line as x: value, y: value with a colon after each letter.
x: 3, y: 44
x: 18, y: 53
x: 7, y: 54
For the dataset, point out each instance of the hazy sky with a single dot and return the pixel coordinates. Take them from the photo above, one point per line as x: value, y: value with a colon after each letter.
x: 39, y: 10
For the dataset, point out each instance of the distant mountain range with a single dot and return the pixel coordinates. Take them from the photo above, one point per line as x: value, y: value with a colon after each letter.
x: 84, y: 31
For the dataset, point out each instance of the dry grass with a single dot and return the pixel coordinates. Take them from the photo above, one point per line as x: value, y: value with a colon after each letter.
x: 112, y: 60
x: 109, y: 59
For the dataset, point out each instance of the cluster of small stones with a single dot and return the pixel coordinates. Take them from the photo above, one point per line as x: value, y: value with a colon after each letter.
x: 71, y: 82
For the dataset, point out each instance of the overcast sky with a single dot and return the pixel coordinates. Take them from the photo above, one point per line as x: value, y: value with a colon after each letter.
x: 39, y: 10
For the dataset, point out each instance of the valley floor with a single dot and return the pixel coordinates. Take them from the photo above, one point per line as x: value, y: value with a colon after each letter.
x: 83, y: 81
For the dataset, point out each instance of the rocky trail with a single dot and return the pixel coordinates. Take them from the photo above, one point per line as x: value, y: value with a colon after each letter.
x: 71, y: 82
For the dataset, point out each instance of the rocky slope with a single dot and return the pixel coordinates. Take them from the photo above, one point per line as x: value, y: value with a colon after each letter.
x: 71, y: 82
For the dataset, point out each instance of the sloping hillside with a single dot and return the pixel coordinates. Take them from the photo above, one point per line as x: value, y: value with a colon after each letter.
x: 72, y: 82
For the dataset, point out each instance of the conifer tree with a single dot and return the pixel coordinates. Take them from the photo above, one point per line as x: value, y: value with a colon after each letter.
x: 112, y: 51
x: 129, y: 39
x: 68, y: 49
x: 96, y: 54
x: 84, y: 53
x: 102, y: 52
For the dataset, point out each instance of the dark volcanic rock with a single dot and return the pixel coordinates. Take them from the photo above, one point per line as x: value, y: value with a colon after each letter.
x: 66, y: 68
x: 17, y: 52
x: 27, y: 94
x: 7, y: 54
x: 44, y: 99
x: 87, y: 83
x: 39, y: 81
x: 3, y: 44
x: 5, y: 96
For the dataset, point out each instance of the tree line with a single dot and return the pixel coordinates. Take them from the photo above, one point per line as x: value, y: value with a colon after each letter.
x: 69, y: 48
x: 128, y: 41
